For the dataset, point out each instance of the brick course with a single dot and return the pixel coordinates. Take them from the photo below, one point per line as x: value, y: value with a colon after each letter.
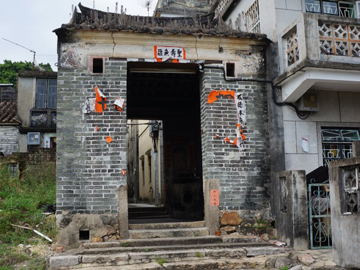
x: 89, y: 168
x: 244, y: 176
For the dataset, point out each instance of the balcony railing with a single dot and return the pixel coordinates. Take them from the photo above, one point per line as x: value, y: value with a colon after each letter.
x: 320, y: 38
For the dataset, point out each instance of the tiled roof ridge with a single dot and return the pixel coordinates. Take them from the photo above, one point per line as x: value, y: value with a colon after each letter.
x: 92, y: 19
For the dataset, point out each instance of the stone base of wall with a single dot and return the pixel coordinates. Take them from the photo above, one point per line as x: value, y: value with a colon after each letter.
x: 77, y: 228
x: 9, y: 142
x: 246, y: 222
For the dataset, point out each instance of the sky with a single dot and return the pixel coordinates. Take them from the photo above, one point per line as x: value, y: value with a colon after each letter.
x: 30, y: 23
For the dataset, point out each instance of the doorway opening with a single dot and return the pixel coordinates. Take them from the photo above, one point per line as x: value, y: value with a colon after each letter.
x: 164, y: 141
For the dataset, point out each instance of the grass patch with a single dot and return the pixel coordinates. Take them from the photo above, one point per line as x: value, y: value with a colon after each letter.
x: 198, y: 254
x: 22, y: 202
x: 161, y: 261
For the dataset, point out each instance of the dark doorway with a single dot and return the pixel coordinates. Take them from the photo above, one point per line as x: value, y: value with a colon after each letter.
x: 169, y: 93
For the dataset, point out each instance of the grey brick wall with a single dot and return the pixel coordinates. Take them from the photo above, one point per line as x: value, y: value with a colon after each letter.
x: 89, y: 168
x: 9, y: 140
x: 244, y: 176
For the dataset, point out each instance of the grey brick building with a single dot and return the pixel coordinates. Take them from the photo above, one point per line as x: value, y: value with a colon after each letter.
x: 165, y: 69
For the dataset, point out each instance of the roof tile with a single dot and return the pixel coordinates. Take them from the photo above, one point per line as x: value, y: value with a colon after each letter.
x: 8, y: 112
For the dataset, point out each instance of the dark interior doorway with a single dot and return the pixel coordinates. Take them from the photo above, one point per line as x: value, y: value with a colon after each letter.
x: 170, y: 93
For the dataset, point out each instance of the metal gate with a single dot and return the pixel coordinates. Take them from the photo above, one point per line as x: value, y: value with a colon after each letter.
x: 319, y: 216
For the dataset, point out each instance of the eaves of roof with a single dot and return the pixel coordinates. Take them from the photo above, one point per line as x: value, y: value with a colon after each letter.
x: 95, y: 20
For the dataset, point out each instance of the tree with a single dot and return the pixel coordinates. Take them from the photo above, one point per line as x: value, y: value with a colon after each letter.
x: 9, y: 70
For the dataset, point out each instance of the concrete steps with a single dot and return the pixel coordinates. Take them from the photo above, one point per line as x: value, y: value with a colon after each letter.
x: 165, y: 246
x: 165, y: 255
x: 168, y: 225
x: 147, y: 212
x: 164, y: 233
x: 155, y: 242
x: 166, y: 230
x: 198, y: 264
x: 177, y: 246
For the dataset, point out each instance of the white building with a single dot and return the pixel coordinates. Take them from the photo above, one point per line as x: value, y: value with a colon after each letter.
x: 314, y: 62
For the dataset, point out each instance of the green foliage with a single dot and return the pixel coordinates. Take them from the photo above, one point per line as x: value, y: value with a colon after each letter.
x: 198, y: 254
x: 284, y: 268
x: 10, y: 256
x: 22, y: 202
x: 161, y: 261
x: 9, y: 70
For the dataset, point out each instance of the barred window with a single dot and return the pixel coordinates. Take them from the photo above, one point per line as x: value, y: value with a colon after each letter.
x: 337, y: 143
x: 337, y: 8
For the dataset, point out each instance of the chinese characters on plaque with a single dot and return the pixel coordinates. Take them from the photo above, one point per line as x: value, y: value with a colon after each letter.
x: 214, y: 197
x: 164, y: 52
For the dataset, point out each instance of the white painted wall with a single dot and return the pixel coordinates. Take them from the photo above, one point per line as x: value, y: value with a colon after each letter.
x: 275, y: 15
x: 26, y: 98
x: 336, y: 109
x: 147, y: 188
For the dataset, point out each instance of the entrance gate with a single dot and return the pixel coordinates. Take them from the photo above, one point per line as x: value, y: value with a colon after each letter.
x: 319, y: 216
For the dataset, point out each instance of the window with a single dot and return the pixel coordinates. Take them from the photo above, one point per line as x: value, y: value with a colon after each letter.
x: 46, y: 90
x: 148, y: 153
x: 337, y: 8
x: 252, y: 18
x: 44, y: 114
x: 142, y: 161
x: 97, y: 65
x: 350, y: 190
x: 337, y: 143
x: 230, y: 70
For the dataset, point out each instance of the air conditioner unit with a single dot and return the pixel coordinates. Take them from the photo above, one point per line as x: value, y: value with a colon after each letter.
x: 33, y: 138
x: 309, y: 102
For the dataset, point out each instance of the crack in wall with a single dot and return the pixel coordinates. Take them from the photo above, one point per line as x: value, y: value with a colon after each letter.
x: 196, y: 49
x: 112, y: 36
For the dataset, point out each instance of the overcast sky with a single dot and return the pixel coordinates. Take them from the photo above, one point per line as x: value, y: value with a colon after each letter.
x: 30, y: 23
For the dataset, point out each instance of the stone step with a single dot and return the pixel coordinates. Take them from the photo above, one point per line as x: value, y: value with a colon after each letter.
x: 198, y: 264
x: 148, y: 215
x: 161, y: 257
x: 146, y: 209
x: 169, y: 225
x: 145, y: 266
x: 112, y: 250
x: 164, y: 233
x: 155, y: 242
